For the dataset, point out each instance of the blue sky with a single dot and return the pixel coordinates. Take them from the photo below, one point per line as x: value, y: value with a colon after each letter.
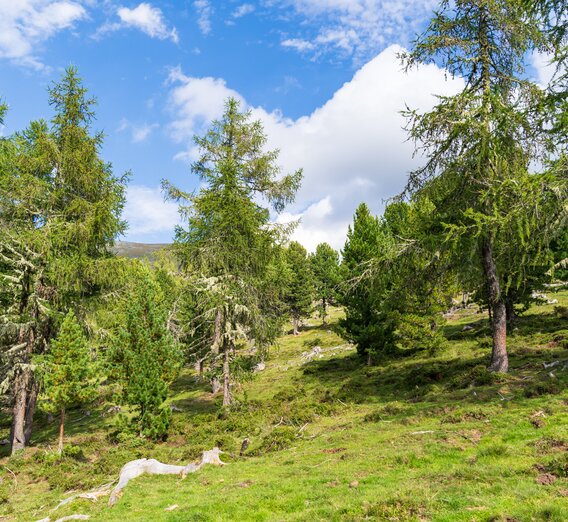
x: 322, y: 75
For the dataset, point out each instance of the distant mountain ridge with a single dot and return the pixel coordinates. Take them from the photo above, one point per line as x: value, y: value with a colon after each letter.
x: 138, y: 250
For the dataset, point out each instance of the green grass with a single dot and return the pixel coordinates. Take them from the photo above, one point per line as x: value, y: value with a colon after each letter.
x: 423, y: 437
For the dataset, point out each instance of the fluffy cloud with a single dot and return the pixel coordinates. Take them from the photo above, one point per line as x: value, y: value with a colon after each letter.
x: 144, y: 17
x: 26, y: 23
x: 149, y: 216
x: 352, y: 149
x: 357, y: 28
x: 544, y: 68
x: 243, y: 10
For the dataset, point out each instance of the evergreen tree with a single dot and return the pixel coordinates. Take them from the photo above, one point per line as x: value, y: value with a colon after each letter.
x: 229, y: 243
x: 67, y: 371
x: 325, y: 267
x: 299, y: 287
x: 363, y: 244
x: 60, y: 209
x: 147, y: 358
x: 480, y: 143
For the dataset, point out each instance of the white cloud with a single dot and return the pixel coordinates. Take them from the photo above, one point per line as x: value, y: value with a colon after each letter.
x: 204, y: 12
x: 352, y: 149
x: 24, y: 24
x: 544, y: 68
x: 357, y: 28
x: 139, y: 132
x: 243, y: 10
x: 149, y: 216
x: 144, y: 17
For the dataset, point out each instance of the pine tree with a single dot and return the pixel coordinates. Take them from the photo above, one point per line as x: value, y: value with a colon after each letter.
x: 299, y: 288
x: 325, y: 267
x: 68, y: 372
x: 146, y: 356
x: 229, y: 243
x: 363, y: 244
x: 480, y: 144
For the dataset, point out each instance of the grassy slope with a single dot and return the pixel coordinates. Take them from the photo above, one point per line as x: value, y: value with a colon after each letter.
x: 332, y: 439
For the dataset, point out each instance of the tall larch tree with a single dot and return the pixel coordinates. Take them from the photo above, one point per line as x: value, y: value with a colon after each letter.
x: 480, y: 144
x: 228, y: 243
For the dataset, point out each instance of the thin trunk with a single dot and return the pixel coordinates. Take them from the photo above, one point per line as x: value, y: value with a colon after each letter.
x: 499, y: 359
x: 369, y: 358
x: 324, y: 310
x: 17, y: 431
x: 61, y: 431
x: 226, y: 376
x: 295, y: 322
x: 30, y: 409
x: 215, y: 384
x: 510, y: 307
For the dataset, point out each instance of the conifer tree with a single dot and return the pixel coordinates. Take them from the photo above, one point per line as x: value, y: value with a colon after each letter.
x: 363, y: 244
x: 147, y: 358
x: 325, y: 267
x: 480, y: 144
x: 60, y: 209
x: 299, y: 288
x: 229, y: 244
x: 67, y: 371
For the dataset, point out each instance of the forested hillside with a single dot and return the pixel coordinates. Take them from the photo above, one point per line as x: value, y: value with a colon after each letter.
x: 418, y: 373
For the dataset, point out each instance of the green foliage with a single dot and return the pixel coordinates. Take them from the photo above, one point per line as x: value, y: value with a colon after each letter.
x: 325, y: 268
x: 299, y: 291
x: 147, y: 358
x: 68, y: 370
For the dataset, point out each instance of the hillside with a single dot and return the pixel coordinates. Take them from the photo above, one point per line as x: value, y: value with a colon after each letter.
x: 417, y: 437
x: 138, y: 250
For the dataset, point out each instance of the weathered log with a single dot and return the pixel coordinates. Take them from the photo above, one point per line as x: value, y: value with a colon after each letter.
x: 135, y: 468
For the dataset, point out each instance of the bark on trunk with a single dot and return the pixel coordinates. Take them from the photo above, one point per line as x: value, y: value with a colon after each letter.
x: 510, y: 307
x: 369, y: 359
x: 499, y: 358
x: 295, y: 322
x: 17, y: 431
x: 30, y: 409
x: 324, y: 311
x: 215, y: 384
x: 61, y: 431
x: 226, y: 376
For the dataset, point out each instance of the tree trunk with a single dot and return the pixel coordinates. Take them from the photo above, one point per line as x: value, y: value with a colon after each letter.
x: 61, y: 431
x: 510, y: 307
x: 324, y: 311
x: 226, y: 376
x: 17, y: 431
x: 499, y: 359
x: 295, y: 322
x: 215, y: 384
x: 30, y: 409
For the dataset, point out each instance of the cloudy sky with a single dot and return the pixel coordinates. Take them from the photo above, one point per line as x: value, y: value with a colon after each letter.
x: 323, y: 75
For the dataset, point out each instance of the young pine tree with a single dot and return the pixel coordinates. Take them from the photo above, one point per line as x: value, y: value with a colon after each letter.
x: 68, y: 372
x: 299, y: 288
x: 147, y: 358
x: 325, y: 267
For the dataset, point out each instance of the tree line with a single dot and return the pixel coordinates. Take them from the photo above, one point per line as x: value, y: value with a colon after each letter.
x: 484, y: 216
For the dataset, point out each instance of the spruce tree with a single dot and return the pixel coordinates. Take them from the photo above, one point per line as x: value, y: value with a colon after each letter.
x: 229, y: 243
x: 147, y: 358
x: 299, y: 286
x: 325, y: 267
x: 68, y: 372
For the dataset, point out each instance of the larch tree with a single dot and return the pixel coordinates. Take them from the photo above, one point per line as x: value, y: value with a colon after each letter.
x: 299, y: 286
x: 60, y: 208
x: 228, y: 243
x: 480, y: 144
x: 325, y: 267
x: 67, y: 371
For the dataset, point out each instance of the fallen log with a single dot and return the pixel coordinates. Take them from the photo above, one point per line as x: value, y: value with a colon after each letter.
x: 135, y: 468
